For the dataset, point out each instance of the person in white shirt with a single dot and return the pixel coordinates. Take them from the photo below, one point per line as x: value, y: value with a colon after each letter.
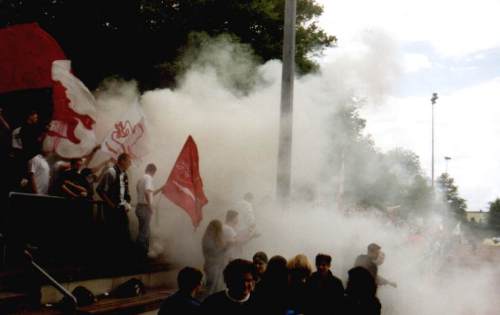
x: 247, y: 215
x: 144, y: 209
x: 235, y: 237
x: 39, y: 174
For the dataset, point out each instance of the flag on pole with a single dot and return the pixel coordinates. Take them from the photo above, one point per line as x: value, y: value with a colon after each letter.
x: 128, y: 135
x: 26, y: 56
x: 71, y: 132
x: 184, y: 186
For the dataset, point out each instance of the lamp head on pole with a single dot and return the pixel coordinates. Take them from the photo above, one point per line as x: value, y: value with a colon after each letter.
x: 434, y: 98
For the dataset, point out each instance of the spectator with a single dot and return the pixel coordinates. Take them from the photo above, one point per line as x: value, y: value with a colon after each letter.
x: 234, y: 239
x: 89, y: 182
x: 325, y: 291
x: 183, y: 302
x: 38, y: 174
x: 214, y: 251
x: 239, y: 276
x: 72, y: 184
x: 260, y: 263
x: 373, y: 258
x: 114, y: 191
x: 361, y: 293
x: 299, y: 270
x: 248, y: 223
x: 272, y: 291
x: 144, y: 209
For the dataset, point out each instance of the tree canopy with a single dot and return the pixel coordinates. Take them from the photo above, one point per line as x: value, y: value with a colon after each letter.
x: 374, y: 178
x: 494, y: 215
x: 141, y: 39
x: 449, y: 190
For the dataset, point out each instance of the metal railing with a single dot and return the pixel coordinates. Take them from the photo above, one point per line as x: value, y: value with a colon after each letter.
x: 53, y: 282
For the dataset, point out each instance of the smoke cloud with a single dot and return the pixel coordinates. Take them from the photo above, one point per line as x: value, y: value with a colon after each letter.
x: 231, y: 108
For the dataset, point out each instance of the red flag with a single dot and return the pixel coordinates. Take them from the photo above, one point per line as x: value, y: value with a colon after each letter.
x: 184, y: 186
x: 26, y: 56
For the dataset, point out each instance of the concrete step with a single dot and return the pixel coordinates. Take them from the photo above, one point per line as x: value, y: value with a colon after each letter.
x: 100, y: 286
x: 149, y: 301
x: 10, y: 301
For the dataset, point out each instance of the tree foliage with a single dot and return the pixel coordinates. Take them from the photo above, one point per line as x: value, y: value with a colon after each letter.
x: 141, y: 39
x: 494, y: 215
x: 374, y: 178
x: 451, y: 197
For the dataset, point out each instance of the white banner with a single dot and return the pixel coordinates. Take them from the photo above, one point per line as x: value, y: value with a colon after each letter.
x: 128, y: 135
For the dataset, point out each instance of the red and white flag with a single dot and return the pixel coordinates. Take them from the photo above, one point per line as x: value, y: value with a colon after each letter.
x: 184, y: 186
x: 71, y: 132
x: 129, y: 135
x: 26, y: 56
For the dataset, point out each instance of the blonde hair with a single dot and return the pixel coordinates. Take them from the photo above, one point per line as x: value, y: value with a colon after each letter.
x: 214, y: 231
x: 299, y: 267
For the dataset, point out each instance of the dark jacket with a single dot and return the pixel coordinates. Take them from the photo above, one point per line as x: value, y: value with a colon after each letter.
x: 110, y: 185
x: 180, y: 304
x: 325, y: 294
x: 220, y: 304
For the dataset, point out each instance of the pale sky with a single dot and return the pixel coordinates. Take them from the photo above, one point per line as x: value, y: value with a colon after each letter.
x: 444, y: 46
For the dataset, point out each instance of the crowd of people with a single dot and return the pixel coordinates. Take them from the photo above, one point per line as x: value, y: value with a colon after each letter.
x: 34, y: 169
x: 278, y: 286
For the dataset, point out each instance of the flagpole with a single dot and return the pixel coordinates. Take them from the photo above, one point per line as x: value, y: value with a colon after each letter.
x: 286, y: 118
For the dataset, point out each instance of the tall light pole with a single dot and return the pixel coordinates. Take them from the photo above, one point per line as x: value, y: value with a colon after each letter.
x: 433, y: 101
x: 286, y: 118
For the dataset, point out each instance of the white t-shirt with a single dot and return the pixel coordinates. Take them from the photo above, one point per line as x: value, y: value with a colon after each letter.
x: 144, y: 184
x: 39, y: 166
x: 247, y: 216
x: 230, y: 235
x: 17, y: 142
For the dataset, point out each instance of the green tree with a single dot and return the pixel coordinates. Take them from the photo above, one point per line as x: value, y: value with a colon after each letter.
x: 451, y: 197
x: 141, y: 39
x: 494, y: 215
x: 373, y: 178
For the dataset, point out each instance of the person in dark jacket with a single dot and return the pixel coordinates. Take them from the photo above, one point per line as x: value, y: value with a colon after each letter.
x: 260, y: 263
x: 239, y: 276
x: 299, y: 271
x: 114, y: 191
x: 271, y: 293
x: 325, y: 291
x: 361, y: 293
x: 183, y: 302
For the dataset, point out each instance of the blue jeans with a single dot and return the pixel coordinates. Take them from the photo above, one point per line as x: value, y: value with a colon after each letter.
x: 143, y: 213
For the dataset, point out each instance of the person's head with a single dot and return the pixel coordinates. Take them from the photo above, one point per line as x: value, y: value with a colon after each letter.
x: 373, y: 250
x: 189, y: 280
x: 361, y: 283
x: 248, y: 197
x: 277, y: 271
x: 214, y: 229
x: 76, y: 163
x: 323, y: 263
x: 239, y: 276
x: 124, y: 161
x: 32, y: 117
x: 151, y: 169
x: 232, y: 217
x: 260, y: 262
x: 87, y: 173
x: 299, y: 268
x: 380, y: 258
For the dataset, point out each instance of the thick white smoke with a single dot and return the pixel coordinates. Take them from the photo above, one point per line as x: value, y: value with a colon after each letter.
x: 237, y: 138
